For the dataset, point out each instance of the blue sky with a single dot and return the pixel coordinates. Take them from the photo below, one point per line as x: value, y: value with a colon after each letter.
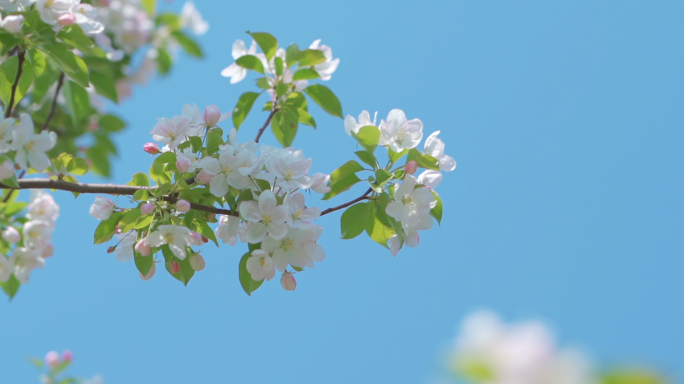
x: 566, y: 121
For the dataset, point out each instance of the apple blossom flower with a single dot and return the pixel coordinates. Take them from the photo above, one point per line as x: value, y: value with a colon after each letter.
x: 48, y: 251
x: 151, y: 148
x: 6, y: 127
x: 183, y: 206
x: 290, y: 168
x: 430, y: 178
x: 6, y: 268
x: 227, y: 171
x: 191, y: 18
x: 25, y: 261
x: 297, y: 248
x: 12, y: 23
x: 147, y: 208
x: 183, y: 164
x: 288, y: 281
x: 142, y: 248
x: 87, y: 18
x: 319, y: 182
x: 197, y: 239
x: 176, y: 236
x: 67, y: 356
x: 102, y: 208
x: 326, y: 68
x: 51, y: 10
x: 11, y: 235
x: 300, y: 216
x: 37, y: 234
x: 267, y: 216
x: 434, y: 147
x: 350, y: 124
x: 399, y: 133
x: 67, y: 19
x: 130, y: 24
x: 43, y: 207
x: 197, y: 262
x: 30, y: 147
x: 124, y: 250
x: 260, y: 265
x: 411, y: 167
x: 171, y: 131
x: 6, y: 170
x: 229, y: 229
x: 150, y: 273
x: 52, y: 359
x: 174, y: 267
x: 212, y: 115
x: 234, y: 71
x: 15, y: 5
x: 410, y: 203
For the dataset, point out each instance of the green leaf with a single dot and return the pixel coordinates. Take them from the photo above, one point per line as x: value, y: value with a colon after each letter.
x: 73, y: 66
x: 74, y: 36
x: 189, y: 45
x: 8, y: 74
x: 149, y: 6
x: 165, y: 158
x: 12, y: 181
x: 436, y: 212
x: 306, y: 118
x: 186, y: 272
x: 376, y: 230
x: 242, y: 108
x: 251, y: 62
x: 111, y: 123
x: 423, y: 160
x: 325, y: 98
x: 143, y: 263
x: 284, y: 125
x: 354, y: 220
x: 104, y: 85
x: 311, y: 57
x: 305, y: 74
x: 382, y: 177
x: 205, y: 230
x: 164, y: 61
x: 105, y: 231
x: 267, y: 43
x: 11, y: 209
x: 368, y: 137
x: 278, y: 66
x: 99, y: 161
x: 248, y: 284
x: 143, y: 222
x: 37, y: 60
x: 11, y: 287
x: 129, y: 219
x: 632, y: 376
x: 292, y: 54
x: 349, y: 168
x: 140, y: 179
x: 214, y: 140
x: 341, y: 186
x: 367, y: 158
x: 77, y: 166
x: 77, y: 100
x: 159, y: 174
x: 394, y: 156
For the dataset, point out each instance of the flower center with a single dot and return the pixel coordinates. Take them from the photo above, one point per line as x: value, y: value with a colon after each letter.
x: 49, y: 3
x: 408, y: 199
x: 287, y: 245
x: 266, y: 220
x: 263, y: 261
x: 227, y: 169
x: 169, y: 239
x: 289, y: 175
x: 297, y: 215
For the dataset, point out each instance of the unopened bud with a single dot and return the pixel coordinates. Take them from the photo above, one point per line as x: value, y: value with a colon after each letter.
x: 142, y: 248
x: 150, y: 274
x: 205, y: 239
x: 174, y: 267
x: 6, y: 170
x: 147, y: 208
x: 203, y: 177
x: 197, y: 262
x: 48, y: 251
x: 288, y: 281
x: 67, y: 19
x: 11, y: 235
x: 52, y: 359
x: 151, y: 148
x: 111, y: 249
x: 196, y: 238
x: 13, y: 23
x: 183, y: 164
x: 67, y: 356
x: 212, y: 115
x: 182, y: 206
x: 411, y: 167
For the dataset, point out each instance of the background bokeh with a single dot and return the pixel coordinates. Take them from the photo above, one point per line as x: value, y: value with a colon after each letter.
x: 566, y: 120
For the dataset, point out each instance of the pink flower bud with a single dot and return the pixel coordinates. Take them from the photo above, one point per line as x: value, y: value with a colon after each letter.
x: 150, y: 274
x: 11, y: 235
x: 205, y: 239
x: 203, y: 177
x: 6, y: 170
x: 183, y: 164
x: 411, y: 167
x: 52, y: 359
x: 197, y: 238
x: 67, y: 19
x: 48, y: 250
x: 147, y: 208
x: 182, y: 206
x: 142, y: 248
x: 151, y: 148
x: 197, y: 262
x: 67, y: 356
x: 288, y: 281
x: 212, y: 115
x: 111, y: 249
x: 174, y: 267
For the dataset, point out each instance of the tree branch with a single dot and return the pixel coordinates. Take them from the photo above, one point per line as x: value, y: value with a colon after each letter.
x: 345, y: 205
x: 10, y: 105
x: 268, y: 121
x: 54, y: 102
x: 109, y: 189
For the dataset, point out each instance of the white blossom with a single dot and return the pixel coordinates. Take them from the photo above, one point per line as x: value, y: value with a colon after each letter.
x: 326, y: 68
x: 43, y: 207
x: 228, y: 170
x: 191, y: 18
x: 15, y: 5
x: 229, y: 229
x: 25, y: 261
x: 51, y: 10
x: 300, y: 215
x: 130, y: 25
x: 6, y: 268
x: 234, y: 71
x: 351, y: 126
x: 11, y: 235
x: 124, y: 250
x: 260, y: 265
x: 319, y: 182
x: 266, y: 216
x: 290, y: 168
x: 102, y: 208
x: 399, y: 133
x: 434, y: 147
x: 176, y: 236
x: 6, y: 170
x: 297, y: 248
x: 37, y: 234
x: 12, y: 23
x: 6, y: 128
x: 410, y: 203
x: 87, y: 19
x: 430, y: 178
x: 171, y: 131
x: 30, y: 147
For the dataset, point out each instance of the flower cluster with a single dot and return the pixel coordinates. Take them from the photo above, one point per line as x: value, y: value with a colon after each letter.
x: 32, y: 245
x: 28, y: 148
x: 57, y: 13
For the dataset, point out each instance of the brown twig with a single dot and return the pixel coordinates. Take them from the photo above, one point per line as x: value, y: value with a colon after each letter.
x: 20, y: 55
x: 109, y: 189
x: 345, y: 205
x: 54, y: 102
x: 268, y: 121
